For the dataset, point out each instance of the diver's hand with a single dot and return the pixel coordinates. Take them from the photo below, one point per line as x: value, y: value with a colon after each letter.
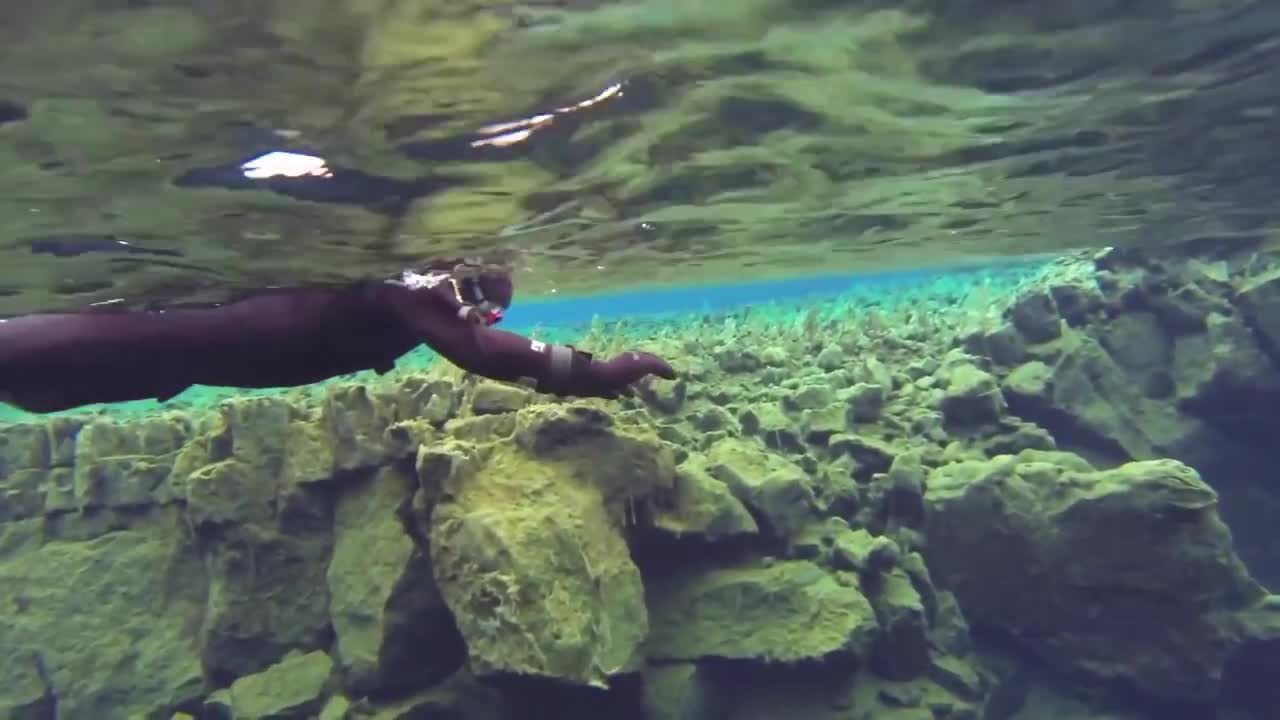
x: 613, y: 378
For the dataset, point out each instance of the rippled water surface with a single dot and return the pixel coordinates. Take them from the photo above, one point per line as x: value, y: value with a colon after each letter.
x: 610, y: 144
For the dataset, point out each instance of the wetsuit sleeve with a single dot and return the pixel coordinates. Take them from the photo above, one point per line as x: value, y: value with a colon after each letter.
x: 506, y: 356
x: 501, y: 355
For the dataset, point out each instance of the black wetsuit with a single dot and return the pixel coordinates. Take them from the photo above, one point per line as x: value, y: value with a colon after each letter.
x: 281, y: 338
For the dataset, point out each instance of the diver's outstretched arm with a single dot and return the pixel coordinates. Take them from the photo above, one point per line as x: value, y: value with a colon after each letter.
x: 505, y: 356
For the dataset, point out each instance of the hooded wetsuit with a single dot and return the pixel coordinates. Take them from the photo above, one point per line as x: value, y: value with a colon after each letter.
x: 281, y: 338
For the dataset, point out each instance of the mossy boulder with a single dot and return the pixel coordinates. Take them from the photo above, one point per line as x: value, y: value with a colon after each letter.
x: 1226, y: 378
x: 971, y: 397
x: 865, y: 401
x: 1259, y: 298
x: 106, y: 627
x: 492, y: 398
x: 1093, y: 406
x: 393, y: 632
x: 901, y: 651
x: 292, y: 689
x: 1035, y: 315
x: 776, y: 489
x: 527, y: 548
x: 782, y: 612
x: 700, y: 505
x: 1128, y: 573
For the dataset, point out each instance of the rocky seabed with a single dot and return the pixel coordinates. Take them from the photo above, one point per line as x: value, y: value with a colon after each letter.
x: 877, y: 515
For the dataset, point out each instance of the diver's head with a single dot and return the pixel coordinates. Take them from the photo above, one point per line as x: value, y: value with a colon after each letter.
x: 489, y: 292
x: 483, y: 286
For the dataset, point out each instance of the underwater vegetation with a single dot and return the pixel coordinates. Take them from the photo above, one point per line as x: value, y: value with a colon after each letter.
x: 1006, y: 500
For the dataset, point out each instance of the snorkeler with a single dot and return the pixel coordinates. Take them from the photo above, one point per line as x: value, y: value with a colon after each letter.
x: 292, y: 337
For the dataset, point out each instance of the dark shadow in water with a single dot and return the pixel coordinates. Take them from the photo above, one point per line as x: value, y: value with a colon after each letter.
x: 542, y: 699
x: 11, y: 112
x: 76, y: 244
x: 346, y: 186
x: 1009, y: 696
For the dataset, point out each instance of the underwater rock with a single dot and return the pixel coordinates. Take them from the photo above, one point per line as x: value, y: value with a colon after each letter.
x: 874, y: 372
x: 901, y: 652
x: 809, y: 397
x: 774, y: 356
x: 1029, y: 385
x: 309, y: 455
x: 1259, y: 300
x: 267, y: 595
x: 859, y: 551
x: 960, y: 678
x: 265, y: 552
x: 667, y: 396
x: 715, y: 418
x: 676, y: 691
x: 81, y: 616
x: 738, y: 360
x: 971, y: 397
x: 545, y: 429
x: 777, y: 490
x: 872, y: 456
x: 393, y: 631
x: 784, y: 612
x: 1139, y: 344
x: 1004, y: 345
x: 490, y: 398
x: 1127, y: 574
x: 1184, y: 294
x: 1012, y: 436
x: 866, y: 402
x: 482, y: 428
x: 1077, y: 302
x: 1035, y: 315
x: 121, y: 465
x: 438, y: 410
x: 26, y: 446
x: 1224, y: 377
x: 24, y: 494
x: 441, y: 468
x: 292, y: 689
x: 773, y: 426
x: 897, y: 497
x: 831, y: 358
x: 702, y: 506
x: 1092, y: 406
x: 358, y: 419
x: 228, y: 493
x: 337, y: 708
x: 527, y: 550
x: 928, y: 425
x: 817, y: 542
x: 24, y: 693
x: 838, y: 492
x: 821, y: 425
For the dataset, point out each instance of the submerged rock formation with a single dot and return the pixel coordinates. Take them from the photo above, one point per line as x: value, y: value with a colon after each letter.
x: 786, y: 612
x: 808, y: 525
x: 526, y: 542
x: 1126, y: 573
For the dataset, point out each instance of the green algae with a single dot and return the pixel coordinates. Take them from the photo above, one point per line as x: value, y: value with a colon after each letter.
x: 432, y: 525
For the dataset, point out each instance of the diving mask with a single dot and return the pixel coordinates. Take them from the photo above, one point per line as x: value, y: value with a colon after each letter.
x: 485, y: 310
x: 490, y: 313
